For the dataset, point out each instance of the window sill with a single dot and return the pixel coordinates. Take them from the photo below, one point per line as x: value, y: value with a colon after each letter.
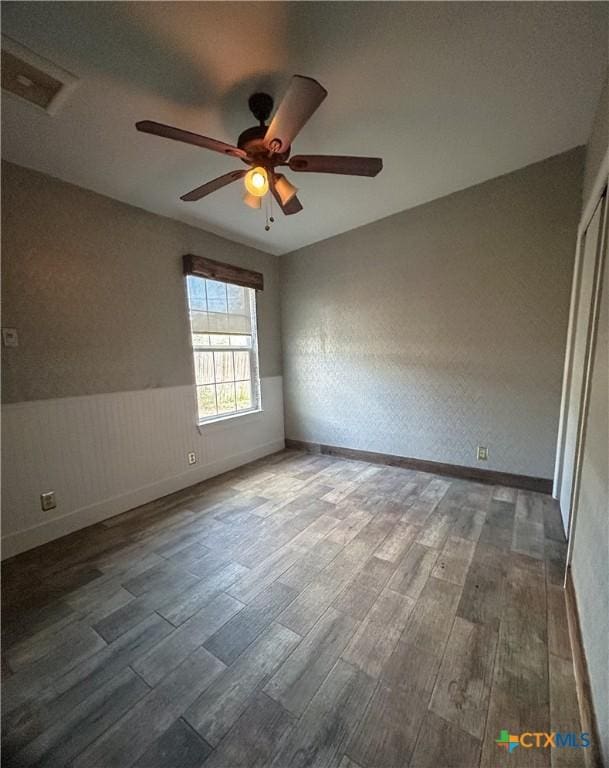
x: 225, y: 421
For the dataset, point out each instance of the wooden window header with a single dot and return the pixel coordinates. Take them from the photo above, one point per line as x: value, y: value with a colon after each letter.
x: 199, y: 266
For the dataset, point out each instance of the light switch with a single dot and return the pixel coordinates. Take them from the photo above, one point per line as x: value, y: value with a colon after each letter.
x: 10, y: 337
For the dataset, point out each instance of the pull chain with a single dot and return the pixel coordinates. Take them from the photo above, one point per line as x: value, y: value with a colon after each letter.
x: 269, y: 218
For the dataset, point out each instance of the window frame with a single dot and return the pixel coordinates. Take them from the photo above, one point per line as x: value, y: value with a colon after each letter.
x: 254, y: 364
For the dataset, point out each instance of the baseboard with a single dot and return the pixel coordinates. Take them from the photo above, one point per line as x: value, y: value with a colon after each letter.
x: 18, y: 542
x: 582, y: 679
x: 489, y: 476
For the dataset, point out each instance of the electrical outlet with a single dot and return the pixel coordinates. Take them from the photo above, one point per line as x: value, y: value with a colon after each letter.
x: 482, y: 453
x: 47, y: 501
x: 192, y: 458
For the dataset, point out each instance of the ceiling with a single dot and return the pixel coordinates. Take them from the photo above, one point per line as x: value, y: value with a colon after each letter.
x: 449, y: 94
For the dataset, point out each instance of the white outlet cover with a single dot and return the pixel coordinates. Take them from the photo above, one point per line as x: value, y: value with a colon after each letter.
x: 47, y: 501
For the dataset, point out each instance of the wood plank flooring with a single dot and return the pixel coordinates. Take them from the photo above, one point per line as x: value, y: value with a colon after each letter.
x: 301, y: 611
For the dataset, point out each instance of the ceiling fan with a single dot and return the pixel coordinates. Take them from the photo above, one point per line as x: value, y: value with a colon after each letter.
x: 265, y: 148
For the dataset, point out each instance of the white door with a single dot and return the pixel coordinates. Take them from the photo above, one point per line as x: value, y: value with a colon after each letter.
x: 584, y: 301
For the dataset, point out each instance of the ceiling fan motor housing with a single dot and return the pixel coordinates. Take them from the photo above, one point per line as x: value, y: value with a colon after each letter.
x: 252, y: 142
x: 252, y: 139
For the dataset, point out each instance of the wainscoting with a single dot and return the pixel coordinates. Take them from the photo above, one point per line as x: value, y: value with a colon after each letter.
x: 104, y: 454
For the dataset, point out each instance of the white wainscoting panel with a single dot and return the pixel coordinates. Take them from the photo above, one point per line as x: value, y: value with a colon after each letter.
x: 104, y: 454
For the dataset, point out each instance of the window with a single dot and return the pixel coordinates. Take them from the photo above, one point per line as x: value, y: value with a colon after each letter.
x: 224, y: 344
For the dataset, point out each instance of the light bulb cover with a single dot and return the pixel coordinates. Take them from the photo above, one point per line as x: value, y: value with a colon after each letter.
x: 252, y: 200
x: 257, y: 181
x: 284, y: 188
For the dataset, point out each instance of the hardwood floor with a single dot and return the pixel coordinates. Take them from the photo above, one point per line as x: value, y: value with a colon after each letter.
x: 300, y: 611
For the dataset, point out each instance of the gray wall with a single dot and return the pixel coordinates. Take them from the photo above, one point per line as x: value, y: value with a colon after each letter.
x: 590, y: 556
x: 96, y: 292
x: 440, y: 328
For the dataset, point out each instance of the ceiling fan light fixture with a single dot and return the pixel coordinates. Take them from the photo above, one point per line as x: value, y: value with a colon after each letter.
x: 284, y: 189
x: 257, y: 181
x: 254, y: 201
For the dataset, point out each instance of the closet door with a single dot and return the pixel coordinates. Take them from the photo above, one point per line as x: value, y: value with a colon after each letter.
x: 587, y: 278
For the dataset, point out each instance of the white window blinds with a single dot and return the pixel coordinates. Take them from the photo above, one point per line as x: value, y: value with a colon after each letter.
x: 219, y: 307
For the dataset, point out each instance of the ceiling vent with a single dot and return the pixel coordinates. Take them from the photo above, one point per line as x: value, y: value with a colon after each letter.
x: 34, y: 79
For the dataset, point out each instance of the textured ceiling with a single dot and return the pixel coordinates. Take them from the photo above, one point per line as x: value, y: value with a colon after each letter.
x: 449, y: 94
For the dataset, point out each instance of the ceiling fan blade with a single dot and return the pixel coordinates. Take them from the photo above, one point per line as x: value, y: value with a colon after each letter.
x: 349, y: 166
x: 212, y: 186
x: 177, y: 134
x: 303, y: 97
x: 292, y: 206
